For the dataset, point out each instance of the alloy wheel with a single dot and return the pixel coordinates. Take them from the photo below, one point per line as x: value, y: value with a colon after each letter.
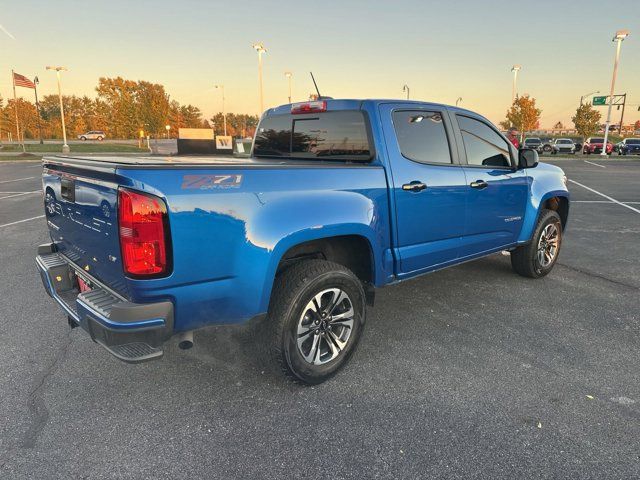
x: 325, y: 326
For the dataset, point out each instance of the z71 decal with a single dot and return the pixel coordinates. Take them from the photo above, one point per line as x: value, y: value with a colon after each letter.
x: 206, y: 182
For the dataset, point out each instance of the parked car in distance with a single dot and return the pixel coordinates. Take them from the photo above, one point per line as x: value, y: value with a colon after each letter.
x: 547, y: 144
x: 563, y: 145
x: 595, y: 145
x: 628, y: 146
x: 338, y: 197
x: 534, y: 143
x: 93, y: 135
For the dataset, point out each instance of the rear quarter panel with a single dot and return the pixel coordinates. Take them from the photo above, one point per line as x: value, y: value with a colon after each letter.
x: 227, y: 239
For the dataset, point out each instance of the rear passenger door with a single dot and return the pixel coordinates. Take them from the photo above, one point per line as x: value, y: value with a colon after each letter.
x: 496, y: 193
x: 428, y: 186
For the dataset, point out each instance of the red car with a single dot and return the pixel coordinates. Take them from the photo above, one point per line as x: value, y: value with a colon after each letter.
x: 594, y: 145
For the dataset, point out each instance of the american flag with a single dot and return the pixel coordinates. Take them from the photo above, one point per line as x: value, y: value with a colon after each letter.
x: 22, y: 81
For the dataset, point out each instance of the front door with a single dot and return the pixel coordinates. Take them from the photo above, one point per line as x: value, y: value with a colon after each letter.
x: 497, y: 193
x: 428, y: 185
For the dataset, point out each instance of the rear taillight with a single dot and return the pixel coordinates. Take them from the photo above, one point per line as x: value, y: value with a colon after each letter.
x: 309, y: 107
x: 143, y: 227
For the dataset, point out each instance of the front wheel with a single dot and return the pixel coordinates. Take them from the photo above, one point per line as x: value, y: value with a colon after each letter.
x: 316, y: 318
x: 537, y: 259
x: 83, y: 139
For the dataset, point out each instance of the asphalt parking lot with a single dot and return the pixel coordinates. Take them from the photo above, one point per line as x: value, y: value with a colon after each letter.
x: 471, y: 372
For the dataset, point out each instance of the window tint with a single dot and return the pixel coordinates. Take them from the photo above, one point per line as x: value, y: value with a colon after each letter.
x: 422, y: 136
x: 483, y: 144
x: 273, y: 137
x: 633, y: 142
x: 331, y: 135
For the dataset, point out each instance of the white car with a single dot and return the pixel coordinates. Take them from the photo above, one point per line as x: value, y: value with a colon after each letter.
x: 563, y: 145
x: 92, y: 135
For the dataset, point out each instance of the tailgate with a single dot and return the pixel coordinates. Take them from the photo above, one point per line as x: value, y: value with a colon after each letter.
x: 81, y: 210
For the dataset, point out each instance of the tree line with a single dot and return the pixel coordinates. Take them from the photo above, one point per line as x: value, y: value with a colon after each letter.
x: 525, y: 116
x: 122, y: 108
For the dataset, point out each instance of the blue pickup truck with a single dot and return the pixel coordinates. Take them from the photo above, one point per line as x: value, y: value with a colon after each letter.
x: 338, y: 198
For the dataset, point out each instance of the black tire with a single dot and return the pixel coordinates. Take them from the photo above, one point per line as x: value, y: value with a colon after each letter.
x: 293, y: 292
x: 100, y: 139
x: 525, y: 260
x: 84, y: 139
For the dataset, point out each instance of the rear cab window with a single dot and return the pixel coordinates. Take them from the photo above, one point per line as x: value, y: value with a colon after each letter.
x: 334, y: 135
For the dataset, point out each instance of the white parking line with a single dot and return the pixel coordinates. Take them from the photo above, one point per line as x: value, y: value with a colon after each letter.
x: 597, y: 165
x: 17, y: 179
x: 21, y: 221
x: 20, y: 194
x: 605, y: 196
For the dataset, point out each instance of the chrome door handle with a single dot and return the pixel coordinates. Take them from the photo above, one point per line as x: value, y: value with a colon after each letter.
x: 415, y: 186
x: 479, y: 184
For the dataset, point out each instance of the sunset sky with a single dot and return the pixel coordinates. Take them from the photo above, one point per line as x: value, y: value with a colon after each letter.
x: 356, y: 49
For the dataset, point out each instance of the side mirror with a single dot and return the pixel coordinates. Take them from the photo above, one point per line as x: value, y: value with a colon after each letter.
x: 527, y: 158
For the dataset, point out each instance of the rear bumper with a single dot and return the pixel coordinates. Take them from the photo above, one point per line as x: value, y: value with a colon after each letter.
x: 133, y: 332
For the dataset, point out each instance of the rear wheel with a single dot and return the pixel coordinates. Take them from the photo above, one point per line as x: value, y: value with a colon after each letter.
x: 83, y: 138
x: 537, y: 259
x: 100, y: 139
x: 316, y: 318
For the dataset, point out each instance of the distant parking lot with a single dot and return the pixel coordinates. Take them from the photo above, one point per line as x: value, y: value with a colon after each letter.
x: 471, y: 372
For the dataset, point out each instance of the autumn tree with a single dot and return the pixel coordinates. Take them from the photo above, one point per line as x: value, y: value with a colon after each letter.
x: 523, y: 114
x: 586, y: 120
x: 237, y: 124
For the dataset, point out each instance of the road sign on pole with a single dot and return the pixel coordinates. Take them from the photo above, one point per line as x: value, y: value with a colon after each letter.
x: 600, y: 100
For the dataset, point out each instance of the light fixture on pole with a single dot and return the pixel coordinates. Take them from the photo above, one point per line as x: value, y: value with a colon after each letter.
x: 289, y: 75
x: 167, y: 128
x: 405, y: 88
x: 224, y: 115
x: 258, y: 47
x: 515, y: 69
x: 618, y: 38
x: 458, y: 100
x: 65, y: 147
x: 587, y: 95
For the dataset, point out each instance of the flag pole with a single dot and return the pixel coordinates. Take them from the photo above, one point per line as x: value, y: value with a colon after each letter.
x: 15, y: 106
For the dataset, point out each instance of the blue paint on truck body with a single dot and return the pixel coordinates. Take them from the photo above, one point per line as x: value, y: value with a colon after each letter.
x: 232, y: 220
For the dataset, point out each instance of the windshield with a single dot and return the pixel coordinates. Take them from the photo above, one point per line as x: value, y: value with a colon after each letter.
x: 532, y: 140
x: 597, y: 140
x: 633, y: 141
x: 565, y: 142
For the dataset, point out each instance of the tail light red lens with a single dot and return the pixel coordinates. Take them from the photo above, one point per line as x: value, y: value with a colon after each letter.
x: 143, y: 227
x: 309, y: 107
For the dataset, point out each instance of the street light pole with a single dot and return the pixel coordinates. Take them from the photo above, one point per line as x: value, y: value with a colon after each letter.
x: 260, y: 49
x: 224, y: 115
x: 458, y: 100
x: 289, y: 75
x: 587, y: 95
x: 619, y: 37
x: 36, y: 82
x: 405, y: 88
x: 65, y: 147
x: 515, y: 69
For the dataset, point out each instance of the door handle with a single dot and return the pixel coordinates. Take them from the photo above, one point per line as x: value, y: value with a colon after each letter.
x: 415, y: 186
x: 479, y: 184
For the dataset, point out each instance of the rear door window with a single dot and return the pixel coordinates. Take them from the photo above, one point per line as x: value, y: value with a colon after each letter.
x: 422, y: 136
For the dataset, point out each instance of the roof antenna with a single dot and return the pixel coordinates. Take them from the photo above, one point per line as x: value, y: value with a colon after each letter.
x: 320, y: 97
x: 315, y: 85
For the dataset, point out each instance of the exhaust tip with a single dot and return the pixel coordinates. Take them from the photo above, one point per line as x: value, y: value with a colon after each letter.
x: 185, y: 340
